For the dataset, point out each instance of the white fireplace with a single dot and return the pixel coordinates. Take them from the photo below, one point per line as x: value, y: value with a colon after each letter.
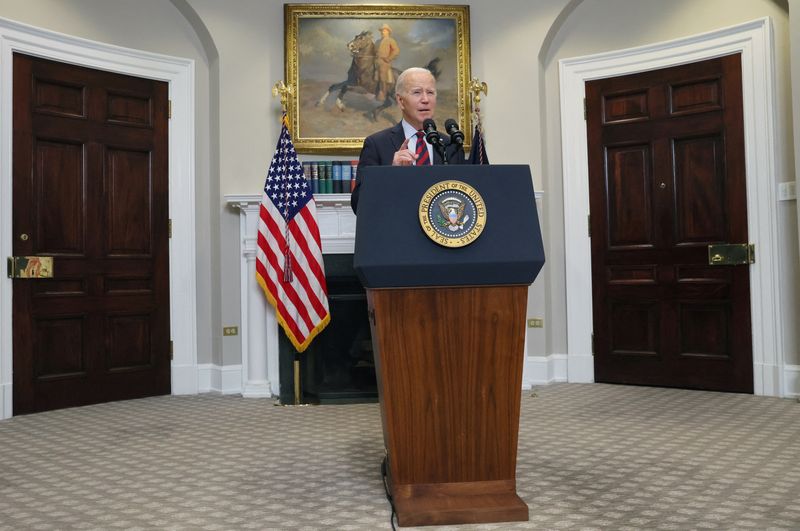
x: 259, y: 327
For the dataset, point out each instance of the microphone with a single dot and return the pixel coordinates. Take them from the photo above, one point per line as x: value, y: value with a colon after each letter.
x: 431, y: 134
x: 456, y: 136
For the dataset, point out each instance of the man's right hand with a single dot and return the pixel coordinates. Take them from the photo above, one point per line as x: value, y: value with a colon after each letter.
x: 404, y: 156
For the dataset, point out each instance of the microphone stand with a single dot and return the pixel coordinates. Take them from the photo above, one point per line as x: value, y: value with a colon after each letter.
x: 456, y: 136
x: 435, y: 140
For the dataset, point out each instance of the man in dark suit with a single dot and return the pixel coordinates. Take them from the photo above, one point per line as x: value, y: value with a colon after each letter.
x: 404, y: 144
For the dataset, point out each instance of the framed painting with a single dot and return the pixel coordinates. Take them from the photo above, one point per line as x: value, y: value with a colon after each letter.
x: 342, y: 61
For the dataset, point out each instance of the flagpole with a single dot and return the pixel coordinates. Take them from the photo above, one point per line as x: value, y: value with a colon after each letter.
x: 285, y: 91
x: 297, y: 392
x: 298, y: 399
x: 478, y: 149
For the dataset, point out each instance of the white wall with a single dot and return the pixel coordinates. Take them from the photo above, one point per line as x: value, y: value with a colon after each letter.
x: 521, y: 111
x: 155, y: 26
x: 238, y: 46
x: 250, y: 40
x: 248, y: 35
x: 794, y: 31
x: 794, y: 53
x: 617, y: 24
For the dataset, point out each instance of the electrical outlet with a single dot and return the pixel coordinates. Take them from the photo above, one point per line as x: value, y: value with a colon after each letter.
x: 535, y: 323
x: 230, y: 330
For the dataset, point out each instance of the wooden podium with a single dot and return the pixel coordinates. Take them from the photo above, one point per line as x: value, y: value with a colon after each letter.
x: 448, y: 331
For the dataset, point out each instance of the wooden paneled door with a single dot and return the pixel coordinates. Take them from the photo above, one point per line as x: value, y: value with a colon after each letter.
x: 90, y: 189
x: 667, y: 178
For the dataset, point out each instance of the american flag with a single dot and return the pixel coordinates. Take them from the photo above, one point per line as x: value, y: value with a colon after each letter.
x: 478, y: 154
x: 289, y: 263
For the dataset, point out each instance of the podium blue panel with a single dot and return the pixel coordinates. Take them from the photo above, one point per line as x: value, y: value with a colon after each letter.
x: 392, y: 249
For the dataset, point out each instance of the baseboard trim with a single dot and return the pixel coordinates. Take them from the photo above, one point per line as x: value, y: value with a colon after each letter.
x: 791, y: 381
x: 580, y: 368
x: 767, y: 379
x: 257, y: 389
x: 223, y: 379
x: 184, y: 379
x: 5, y: 401
x: 542, y: 370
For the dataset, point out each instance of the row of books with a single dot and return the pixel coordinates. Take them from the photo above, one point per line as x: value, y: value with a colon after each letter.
x: 331, y: 176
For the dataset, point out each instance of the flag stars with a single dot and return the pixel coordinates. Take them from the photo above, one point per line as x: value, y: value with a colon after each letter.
x: 285, y: 184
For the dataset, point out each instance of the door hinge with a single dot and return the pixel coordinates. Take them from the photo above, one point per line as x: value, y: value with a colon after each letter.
x: 585, y: 110
x: 589, y: 224
x: 171, y: 350
x: 169, y: 109
x: 169, y: 229
x: 592, y: 342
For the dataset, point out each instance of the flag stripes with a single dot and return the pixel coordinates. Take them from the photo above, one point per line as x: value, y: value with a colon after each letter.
x: 311, y: 286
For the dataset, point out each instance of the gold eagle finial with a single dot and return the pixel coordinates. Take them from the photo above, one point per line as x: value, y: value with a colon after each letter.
x: 284, y: 91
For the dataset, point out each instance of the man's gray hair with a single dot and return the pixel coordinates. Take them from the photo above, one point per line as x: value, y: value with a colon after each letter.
x: 400, y: 86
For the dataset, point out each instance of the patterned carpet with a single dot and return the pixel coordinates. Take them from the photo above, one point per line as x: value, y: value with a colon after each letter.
x: 591, y: 456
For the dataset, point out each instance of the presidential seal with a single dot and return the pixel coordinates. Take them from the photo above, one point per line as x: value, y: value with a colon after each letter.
x: 452, y: 213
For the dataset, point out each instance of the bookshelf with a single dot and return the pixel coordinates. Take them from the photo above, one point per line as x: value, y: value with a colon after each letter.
x: 330, y: 176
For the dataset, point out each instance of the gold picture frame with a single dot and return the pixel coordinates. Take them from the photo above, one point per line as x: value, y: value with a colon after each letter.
x: 324, y: 50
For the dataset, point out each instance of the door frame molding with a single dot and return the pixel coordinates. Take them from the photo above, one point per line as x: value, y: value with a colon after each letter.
x: 179, y: 74
x: 754, y: 40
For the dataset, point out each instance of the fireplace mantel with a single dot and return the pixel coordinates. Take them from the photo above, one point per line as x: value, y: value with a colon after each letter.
x: 259, y: 326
